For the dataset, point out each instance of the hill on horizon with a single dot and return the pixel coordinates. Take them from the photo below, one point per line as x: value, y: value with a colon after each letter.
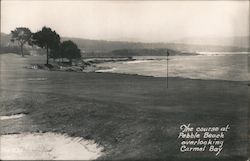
x: 89, y: 45
x: 105, y: 46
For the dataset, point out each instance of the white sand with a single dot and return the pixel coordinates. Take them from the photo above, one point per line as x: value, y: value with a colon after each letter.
x: 12, y: 116
x: 47, y: 146
x: 106, y: 70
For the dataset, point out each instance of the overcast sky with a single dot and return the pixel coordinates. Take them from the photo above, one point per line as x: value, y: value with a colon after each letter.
x: 148, y: 21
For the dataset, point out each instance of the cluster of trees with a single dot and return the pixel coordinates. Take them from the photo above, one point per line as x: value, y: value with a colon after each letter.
x: 48, y: 40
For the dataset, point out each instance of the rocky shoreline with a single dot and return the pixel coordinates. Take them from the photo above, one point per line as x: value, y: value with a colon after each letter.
x: 86, y: 65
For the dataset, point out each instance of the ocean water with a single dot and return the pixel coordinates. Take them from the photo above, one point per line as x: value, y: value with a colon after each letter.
x: 207, y: 65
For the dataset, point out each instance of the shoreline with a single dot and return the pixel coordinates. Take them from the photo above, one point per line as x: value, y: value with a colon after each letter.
x: 86, y: 65
x: 199, y: 79
x: 95, y: 65
x: 96, y: 70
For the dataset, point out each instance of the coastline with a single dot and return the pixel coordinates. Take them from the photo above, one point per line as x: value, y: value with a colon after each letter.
x: 105, y: 65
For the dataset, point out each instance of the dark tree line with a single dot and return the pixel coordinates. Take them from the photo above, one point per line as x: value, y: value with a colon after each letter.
x: 48, y: 40
x: 66, y: 49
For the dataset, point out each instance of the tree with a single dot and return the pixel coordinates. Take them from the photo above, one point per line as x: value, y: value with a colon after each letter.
x: 47, y: 39
x: 70, y: 50
x: 22, y: 35
x: 55, y: 54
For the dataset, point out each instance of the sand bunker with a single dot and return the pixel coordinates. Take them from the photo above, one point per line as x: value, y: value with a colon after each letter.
x: 12, y: 116
x: 106, y: 70
x: 47, y: 146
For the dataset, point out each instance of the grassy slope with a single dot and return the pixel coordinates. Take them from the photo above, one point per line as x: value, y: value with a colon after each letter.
x: 133, y: 117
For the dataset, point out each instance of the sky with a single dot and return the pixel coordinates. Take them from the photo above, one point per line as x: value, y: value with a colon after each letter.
x: 145, y: 21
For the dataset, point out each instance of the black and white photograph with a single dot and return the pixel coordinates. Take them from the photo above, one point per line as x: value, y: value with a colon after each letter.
x: 125, y: 80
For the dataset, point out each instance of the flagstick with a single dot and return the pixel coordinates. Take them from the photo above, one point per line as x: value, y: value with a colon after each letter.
x: 167, y: 68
